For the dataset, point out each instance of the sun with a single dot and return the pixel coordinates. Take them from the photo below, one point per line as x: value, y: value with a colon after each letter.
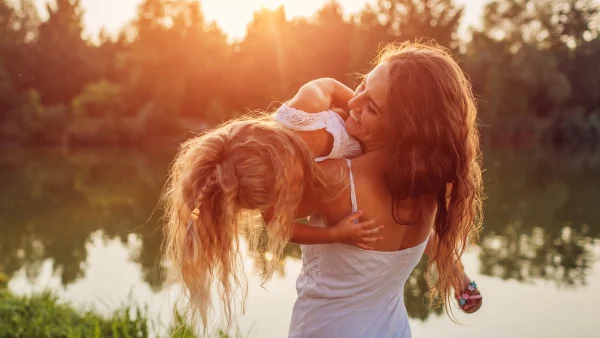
x: 234, y: 15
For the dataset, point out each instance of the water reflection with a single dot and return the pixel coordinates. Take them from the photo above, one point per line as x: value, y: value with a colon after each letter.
x: 541, y: 214
x: 51, y: 202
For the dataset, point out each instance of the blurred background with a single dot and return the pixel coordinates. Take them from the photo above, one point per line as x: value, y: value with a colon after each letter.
x: 96, y: 95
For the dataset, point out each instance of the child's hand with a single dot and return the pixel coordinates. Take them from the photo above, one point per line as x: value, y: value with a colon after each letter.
x: 361, y: 235
x: 344, y: 114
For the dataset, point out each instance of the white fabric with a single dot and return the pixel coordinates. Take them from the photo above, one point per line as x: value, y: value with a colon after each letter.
x: 352, y: 189
x: 344, y: 145
x: 347, y: 292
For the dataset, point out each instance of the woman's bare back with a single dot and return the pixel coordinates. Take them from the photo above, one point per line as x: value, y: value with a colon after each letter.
x: 375, y: 201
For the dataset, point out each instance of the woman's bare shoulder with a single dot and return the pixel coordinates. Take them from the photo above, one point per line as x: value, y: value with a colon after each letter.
x: 334, y: 169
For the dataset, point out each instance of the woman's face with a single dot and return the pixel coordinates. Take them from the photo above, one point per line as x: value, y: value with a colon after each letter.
x: 366, y: 121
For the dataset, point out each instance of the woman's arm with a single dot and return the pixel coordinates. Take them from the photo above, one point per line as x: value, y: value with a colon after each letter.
x: 323, y: 94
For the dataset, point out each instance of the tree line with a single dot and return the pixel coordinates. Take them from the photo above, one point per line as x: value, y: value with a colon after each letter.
x: 533, y: 64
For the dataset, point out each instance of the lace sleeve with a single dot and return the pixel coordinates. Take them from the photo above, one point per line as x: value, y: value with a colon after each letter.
x: 299, y: 120
x: 344, y: 146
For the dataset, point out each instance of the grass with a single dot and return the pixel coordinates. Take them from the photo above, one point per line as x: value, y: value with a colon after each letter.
x: 44, y: 315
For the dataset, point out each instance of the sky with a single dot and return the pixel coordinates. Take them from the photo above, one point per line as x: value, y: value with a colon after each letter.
x: 231, y: 15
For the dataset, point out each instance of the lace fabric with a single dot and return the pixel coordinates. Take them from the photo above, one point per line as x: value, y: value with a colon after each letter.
x: 344, y: 146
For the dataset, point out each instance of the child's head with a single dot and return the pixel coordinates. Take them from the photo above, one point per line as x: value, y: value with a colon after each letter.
x: 247, y: 165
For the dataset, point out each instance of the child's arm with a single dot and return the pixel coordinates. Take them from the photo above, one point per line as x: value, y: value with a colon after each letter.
x: 321, y: 95
x: 345, y: 231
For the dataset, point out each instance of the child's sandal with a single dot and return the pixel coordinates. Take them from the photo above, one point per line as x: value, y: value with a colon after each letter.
x: 467, y: 295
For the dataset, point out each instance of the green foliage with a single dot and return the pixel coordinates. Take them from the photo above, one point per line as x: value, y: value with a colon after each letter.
x: 43, y: 315
x: 64, y: 62
x: 99, y: 115
x: 533, y: 65
x: 41, y: 123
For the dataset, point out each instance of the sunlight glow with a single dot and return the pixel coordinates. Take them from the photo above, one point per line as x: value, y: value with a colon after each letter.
x: 231, y: 15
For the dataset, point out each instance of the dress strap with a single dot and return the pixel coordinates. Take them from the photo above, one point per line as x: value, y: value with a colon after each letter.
x: 352, y: 188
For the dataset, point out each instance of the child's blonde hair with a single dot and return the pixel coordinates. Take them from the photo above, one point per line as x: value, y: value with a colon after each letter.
x: 246, y: 165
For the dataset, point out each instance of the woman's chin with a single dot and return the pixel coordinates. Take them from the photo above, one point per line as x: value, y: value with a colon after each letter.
x: 351, y: 125
x: 353, y: 129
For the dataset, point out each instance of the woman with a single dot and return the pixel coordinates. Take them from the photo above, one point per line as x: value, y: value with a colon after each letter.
x: 415, y: 117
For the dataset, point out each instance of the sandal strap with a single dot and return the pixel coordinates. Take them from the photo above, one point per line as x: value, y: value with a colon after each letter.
x: 465, y: 296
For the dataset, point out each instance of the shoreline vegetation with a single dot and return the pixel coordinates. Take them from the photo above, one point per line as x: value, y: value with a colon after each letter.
x: 44, y: 315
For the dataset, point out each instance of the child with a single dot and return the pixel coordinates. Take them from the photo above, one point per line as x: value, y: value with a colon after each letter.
x: 221, y: 182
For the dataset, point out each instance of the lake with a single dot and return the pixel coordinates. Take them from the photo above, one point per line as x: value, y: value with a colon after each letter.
x: 84, y: 224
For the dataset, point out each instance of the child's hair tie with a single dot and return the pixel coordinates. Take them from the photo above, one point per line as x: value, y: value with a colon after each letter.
x: 195, y: 213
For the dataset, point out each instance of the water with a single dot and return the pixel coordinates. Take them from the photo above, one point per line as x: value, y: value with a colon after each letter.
x: 82, y: 223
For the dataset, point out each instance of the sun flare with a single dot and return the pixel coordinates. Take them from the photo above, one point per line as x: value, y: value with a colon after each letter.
x: 231, y: 15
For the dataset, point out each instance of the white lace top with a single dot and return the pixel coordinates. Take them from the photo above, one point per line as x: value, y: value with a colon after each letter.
x: 344, y: 145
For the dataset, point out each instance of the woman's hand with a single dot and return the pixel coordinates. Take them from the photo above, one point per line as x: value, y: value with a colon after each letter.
x: 362, y: 234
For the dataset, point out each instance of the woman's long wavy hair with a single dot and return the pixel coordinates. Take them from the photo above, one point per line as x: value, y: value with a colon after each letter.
x: 432, y: 119
x: 244, y: 167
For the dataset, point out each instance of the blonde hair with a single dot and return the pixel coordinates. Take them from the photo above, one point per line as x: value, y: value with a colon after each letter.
x: 432, y: 121
x: 243, y: 166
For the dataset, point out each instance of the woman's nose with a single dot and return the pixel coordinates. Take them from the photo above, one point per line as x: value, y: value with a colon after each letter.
x: 353, y: 104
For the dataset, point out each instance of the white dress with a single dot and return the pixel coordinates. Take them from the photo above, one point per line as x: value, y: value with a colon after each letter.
x: 344, y: 145
x: 347, y: 292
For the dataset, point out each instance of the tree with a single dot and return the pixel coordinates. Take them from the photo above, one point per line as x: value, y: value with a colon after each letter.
x: 62, y: 57
x: 532, y: 64
x: 18, y: 29
x: 260, y: 65
x: 99, y: 114
x: 547, y: 24
x: 412, y: 19
x: 400, y: 20
x: 175, y: 61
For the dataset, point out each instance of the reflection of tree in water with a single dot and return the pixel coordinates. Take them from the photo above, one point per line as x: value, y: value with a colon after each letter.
x: 51, y: 202
x: 540, y: 217
x: 540, y: 214
x: 416, y: 298
x: 539, y: 222
x: 257, y: 251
